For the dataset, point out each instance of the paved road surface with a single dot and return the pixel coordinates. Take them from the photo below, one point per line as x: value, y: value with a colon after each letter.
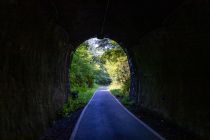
x: 104, y: 118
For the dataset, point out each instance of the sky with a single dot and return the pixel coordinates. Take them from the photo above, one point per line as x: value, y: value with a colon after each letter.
x: 94, y: 47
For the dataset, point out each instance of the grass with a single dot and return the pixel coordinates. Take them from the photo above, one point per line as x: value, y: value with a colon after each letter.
x: 84, y: 95
x: 124, y: 98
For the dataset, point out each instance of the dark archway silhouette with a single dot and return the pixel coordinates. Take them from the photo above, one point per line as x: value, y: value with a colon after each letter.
x: 165, y: 42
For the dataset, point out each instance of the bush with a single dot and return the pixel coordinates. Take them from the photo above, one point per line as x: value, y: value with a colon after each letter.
x: 117, y: 92
x: 73, y: 104
x: 74, y: 94
x: 102, y: 78
x: 126, y: 86
x: 124, y: 98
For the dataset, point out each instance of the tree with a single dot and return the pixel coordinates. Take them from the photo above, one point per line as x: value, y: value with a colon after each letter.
x: 82, y: 68
x: 117, y: 66
x: 87, y: 69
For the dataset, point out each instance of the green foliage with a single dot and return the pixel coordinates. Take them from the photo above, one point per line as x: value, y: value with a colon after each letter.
x: 117, y: 66
x: 83, y: 72
x: 88, y: 70
x: 126, y: 86
x: 117, y: 92
x: 82, y: 68
x: 116, y: 63
x: 114, y: 55
x: 102, y: 78
x: 84, y: 95
x: 124, y: 98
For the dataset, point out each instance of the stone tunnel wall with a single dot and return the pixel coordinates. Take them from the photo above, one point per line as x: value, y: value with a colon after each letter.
x: 170, y: 68
x: 32, y: 83
x: 172, y: 64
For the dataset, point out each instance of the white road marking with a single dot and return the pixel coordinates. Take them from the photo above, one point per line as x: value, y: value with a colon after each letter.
x: 145, y: 125
x: 80, y: 117
x: 82, y: 114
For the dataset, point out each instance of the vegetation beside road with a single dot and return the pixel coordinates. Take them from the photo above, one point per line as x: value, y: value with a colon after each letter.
x: 103, y: 62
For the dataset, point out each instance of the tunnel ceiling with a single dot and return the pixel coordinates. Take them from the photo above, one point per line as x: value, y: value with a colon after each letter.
x: 84, y: 17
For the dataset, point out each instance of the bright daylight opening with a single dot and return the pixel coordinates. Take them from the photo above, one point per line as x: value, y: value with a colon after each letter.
x: 97, y: 63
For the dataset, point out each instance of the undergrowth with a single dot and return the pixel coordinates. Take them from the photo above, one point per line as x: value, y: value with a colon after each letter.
x: 74, y: 104
x: 123, y: 97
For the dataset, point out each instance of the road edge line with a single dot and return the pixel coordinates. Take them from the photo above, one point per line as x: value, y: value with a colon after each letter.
x: 80, y: 118
x: 141, y: 122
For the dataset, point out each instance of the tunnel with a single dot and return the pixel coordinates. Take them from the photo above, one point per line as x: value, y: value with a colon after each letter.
x: 167, y: 43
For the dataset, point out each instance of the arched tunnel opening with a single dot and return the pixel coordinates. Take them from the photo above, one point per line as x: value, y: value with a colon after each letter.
x: 165, y: 42
x: 100, y: 62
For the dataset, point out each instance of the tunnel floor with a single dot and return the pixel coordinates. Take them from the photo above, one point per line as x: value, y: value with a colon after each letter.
x: 105, y: 118
x: 63, y: 128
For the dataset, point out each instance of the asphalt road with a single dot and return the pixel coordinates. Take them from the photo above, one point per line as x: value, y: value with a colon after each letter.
x: 104, y: 118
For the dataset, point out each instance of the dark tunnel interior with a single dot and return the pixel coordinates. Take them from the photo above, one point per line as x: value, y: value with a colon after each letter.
x: 167, y: 43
